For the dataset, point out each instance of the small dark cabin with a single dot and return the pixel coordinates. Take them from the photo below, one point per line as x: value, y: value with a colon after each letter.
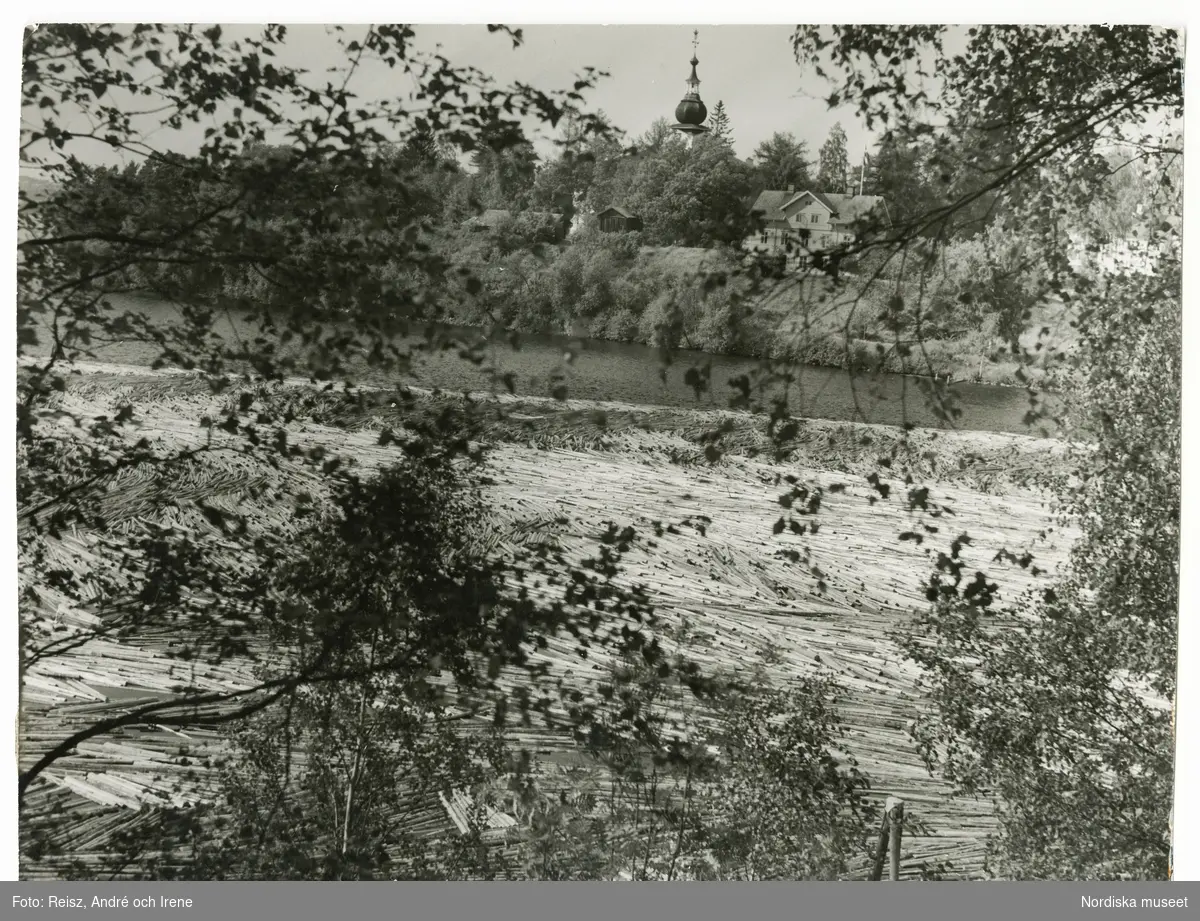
x: 617, y: 220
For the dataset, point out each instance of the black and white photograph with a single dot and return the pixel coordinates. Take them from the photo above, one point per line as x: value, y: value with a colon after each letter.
x: 680, y: 452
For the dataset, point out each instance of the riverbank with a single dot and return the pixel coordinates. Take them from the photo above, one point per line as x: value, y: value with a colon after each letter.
x: 602, y: 370
x: 972, y: 358
x: 812, y: 321
x: 687, y: 437
x: 554, y: 468
x: 607, y: 287
x: 702, y: 299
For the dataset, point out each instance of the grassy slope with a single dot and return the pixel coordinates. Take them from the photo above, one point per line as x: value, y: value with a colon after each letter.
x: 548, y: 464
x: 812, y: 321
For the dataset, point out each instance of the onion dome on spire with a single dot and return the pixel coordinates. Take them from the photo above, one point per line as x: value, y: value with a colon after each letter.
x: 691, y: 111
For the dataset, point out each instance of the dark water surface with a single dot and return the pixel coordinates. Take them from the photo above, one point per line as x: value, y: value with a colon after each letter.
x: 631, y: 373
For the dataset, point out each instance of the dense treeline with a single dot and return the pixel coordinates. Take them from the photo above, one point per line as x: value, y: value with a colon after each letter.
x: 403, y: 224
x: 404, y: 227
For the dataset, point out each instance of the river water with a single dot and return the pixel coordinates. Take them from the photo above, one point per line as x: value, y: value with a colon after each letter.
x: 632, y: 373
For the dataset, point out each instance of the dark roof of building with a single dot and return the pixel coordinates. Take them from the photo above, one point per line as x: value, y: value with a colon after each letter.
x: 691, y: 112
x: 850, y: 208
x: 771, y: 203
x: 846, y: 209
x: 823, y: 198
x: 618, y: 210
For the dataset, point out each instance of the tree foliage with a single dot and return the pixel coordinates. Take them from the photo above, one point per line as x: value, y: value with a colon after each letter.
x: 293, y: 215
x: 781, y: 162
x: 1059, y: 706
x: 1056, y: 706
x: 721, y: 129
x: 1014, y: 102
x: 833, y: 167
x: 898, y: 173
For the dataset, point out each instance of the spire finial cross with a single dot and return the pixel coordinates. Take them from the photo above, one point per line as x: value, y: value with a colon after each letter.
x: 695, y: 39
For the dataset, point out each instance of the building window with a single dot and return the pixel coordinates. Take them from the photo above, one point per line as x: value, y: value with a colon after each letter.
x: 763, y: 237
x: 815, y: 218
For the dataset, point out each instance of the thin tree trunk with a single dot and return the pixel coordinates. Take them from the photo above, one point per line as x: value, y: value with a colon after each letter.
x: 637, y: 824
x: 286, y: 784
x: 356, y: 767
x: 650, y: 840
x: 896, y: 821
x: 880, y: 850
x: 612, y: 823
x: 687, y: 788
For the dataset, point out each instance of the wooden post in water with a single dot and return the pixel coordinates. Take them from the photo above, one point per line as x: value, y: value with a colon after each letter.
x: 895, y: 823
x: 881, y: 849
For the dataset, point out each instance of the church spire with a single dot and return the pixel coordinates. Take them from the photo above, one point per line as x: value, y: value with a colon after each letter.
x: 691, y: 111
x: 693, y: 81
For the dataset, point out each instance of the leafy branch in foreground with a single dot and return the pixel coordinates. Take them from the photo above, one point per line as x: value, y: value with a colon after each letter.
x: 1059, y: 705
x: 224, y: 213
x: 399, y: 694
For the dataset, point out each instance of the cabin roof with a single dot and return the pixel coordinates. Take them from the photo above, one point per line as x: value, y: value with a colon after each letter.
x: 617, y: 209
x: 845, y: 209
x: 770, y: 203
x: 849, y: 208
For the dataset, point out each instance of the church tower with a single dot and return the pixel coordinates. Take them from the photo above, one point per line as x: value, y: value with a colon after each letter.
x: 691, y: 111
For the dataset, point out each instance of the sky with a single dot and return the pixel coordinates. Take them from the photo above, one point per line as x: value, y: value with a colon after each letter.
x: 751, y: 68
